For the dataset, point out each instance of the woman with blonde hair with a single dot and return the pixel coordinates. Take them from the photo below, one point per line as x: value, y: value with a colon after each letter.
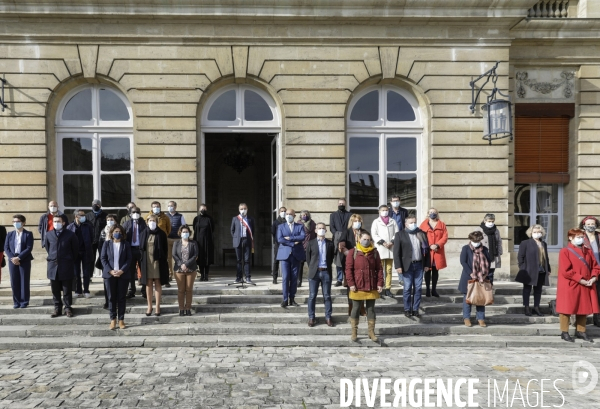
x: 437, y: 237
x: 534, y: 267
x: 155, y: 268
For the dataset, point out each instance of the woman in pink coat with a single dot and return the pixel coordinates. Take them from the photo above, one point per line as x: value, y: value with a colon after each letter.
x: 576, y: 291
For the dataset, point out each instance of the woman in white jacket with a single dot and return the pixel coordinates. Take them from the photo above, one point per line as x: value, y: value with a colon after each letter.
x: 383, y: 230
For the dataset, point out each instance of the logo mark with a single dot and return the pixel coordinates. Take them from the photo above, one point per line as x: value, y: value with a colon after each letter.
x: 585, y: 377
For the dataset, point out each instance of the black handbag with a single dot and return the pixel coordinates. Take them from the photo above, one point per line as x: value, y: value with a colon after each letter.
x: 523, y: 277
x: 552, y: 305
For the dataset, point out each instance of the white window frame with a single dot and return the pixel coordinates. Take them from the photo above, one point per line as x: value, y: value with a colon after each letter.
x: 383, y: 130
x: 96, y: 130
x: 533, y: 213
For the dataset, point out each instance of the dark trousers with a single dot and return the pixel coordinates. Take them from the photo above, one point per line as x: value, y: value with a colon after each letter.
x: 432, y: 276
x: 204, y: 270
x: 324, y: 279
x: 136, y: 258
x: 243, y: 250
x: 117, y: 290
x: 357, y: 305
x: 275, y: 261
x: 19, y: 281
x: 537, y: 291
x: 491, y: 275
x: 81, y: 265
x: 66, y: 286
x: 289, y: 277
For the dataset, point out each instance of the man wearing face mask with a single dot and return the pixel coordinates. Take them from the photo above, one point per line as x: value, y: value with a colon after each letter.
x: 177, y: 220
x: 63, y: 250
x: 242, y: 232
x: 411, y: 258
x: 46, y: 220
x: 493, y: 242
x: 97, y: 218
x: 383, y: 230
x: 399, y: 214
x: 204, y: 231
x: 591, y: 241
x: 274, y: 226
x: 17, y: 247
x: 130, y: 205
x: 319, y: 258
x: 85, y: 235
x: 290, y: 236
x: 338, y: 222
x: 133, y: 229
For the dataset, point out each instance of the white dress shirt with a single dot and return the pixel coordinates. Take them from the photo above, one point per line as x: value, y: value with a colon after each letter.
x: 116, y: 248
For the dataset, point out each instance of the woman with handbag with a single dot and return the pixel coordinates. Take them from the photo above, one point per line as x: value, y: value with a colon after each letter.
x: 534, y: 268
x: 475, y: 260
x: 185, y: 252
x: 576, y: 294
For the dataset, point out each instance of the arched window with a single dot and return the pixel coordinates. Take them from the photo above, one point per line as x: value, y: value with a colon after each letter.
x: 384, y: 138
x: 94, y: 144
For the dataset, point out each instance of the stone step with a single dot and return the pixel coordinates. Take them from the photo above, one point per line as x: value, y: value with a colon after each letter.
x: 487, y: 341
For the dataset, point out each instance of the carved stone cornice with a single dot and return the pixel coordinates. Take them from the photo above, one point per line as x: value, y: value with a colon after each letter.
x: 544, y: 87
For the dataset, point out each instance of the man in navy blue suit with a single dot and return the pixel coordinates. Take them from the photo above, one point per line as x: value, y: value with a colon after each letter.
x: 17, y: 247
x: 242, y: 231
x: 290, y: 236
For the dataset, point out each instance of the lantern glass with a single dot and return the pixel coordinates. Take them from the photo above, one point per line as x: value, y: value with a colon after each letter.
x: 497, y: 118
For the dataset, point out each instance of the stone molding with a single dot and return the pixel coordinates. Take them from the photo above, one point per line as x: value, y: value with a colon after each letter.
x: 544, y: 84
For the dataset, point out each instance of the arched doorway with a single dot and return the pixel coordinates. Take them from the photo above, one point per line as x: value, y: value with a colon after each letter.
x: 240, y: 151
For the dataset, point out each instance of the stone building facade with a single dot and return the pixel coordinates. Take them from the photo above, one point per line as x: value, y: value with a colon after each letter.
x: 356, y: 99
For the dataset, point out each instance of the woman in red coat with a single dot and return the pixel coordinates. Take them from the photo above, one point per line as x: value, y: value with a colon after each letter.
x: 364, y: 275
x: 576, y: 292
x: 437, y: 237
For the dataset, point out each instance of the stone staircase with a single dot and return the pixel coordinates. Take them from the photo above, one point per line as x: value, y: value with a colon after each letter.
x: 227, y: 316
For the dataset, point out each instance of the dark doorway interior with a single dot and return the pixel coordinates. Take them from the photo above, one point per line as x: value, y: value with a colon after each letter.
x: 227, y: 186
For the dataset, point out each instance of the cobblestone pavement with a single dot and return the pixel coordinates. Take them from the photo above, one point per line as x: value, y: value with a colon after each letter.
x: 272, y: 377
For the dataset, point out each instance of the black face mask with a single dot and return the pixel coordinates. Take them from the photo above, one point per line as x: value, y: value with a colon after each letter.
x: 341, y: 208
x: 202, y: 212
x: 95, y: 208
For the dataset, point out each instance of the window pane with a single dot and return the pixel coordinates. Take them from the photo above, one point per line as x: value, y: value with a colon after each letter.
x: 78, y: 190
x: 115, y: 190
x: 112, y: 108
x: 401, y: 154
x: 77, y: 154
x: 398, y: 108
x: 79, y: 108
x: 256, y: 108
x: 550, y: 223
x: 364, y: 190
x: 522, y: 198
x: 364, y: 154
x: 547, y: 199
x: 115, y: 154
x: 405, y: 186
x: 367, y: 108
x: 522, y: 223
x: 223, y: 109
x: 368, y: 216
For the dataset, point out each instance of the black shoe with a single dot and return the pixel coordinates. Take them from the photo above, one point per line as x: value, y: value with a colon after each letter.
x: 284, y: 304
x: 528, y: 311
x: 388, y: 293
x: 583, y: 336
x: 181, y: 313
x: 105, y: 306
x: 597, y: 320
x: 427, y: 293
x: 566, y: 337
x: 274, y: 280
x: 168, y: 285
x: 56, y: 313
x: 188, y: 313
x: 299, y: 283
x: 130, y: 295
x: 536, y: 311
x: 407, y: 314
x: 69, y: 314
x: 293, y: 303
x: 144, y: 296
x: 149, y: 313
x: 338, y: 283
x: 238, y: 281
x: 416, y: 314
x: 435, y: 293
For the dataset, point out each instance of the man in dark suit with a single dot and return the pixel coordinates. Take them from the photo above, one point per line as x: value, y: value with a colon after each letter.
x: 133, y: 229
x: 319, y: 258
x: 290, y: 236
x: 399, y: 214
x: 17, y: 248
x: 85, y: 235
x: 279, y: 220
x: 338, y: 221
x: 97, y: 217
x: 63, y: 249
x: 242, y: 231
x: 411, y: 259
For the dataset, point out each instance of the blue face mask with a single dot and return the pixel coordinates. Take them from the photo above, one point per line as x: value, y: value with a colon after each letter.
x: 156, y: 210
x: 433, y: 215
x: 116, y: 235
x: 81, y: 219
x: 185, y: 235
x: 18, y: 225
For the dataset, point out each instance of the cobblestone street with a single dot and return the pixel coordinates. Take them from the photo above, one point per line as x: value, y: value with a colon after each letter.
x: 270, y: 377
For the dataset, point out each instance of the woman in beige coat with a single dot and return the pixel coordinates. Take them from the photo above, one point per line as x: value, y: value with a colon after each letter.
x: 383, y: 230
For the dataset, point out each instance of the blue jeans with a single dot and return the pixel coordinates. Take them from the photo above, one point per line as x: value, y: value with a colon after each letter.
x: 467, y: 309
x: 413, y: 280
x: 323, y: 278
x: 340, y: 273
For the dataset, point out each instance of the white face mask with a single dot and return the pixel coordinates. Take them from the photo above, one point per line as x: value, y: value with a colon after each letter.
x: 321, y: 232
x: 412, y: 226
x: 58, y: 226
x: 578, y: 241
x: 243, y: 212
x: 356, y: 225
x: 395, y: 204
x: 156, y: 210
x: 536, y: 235
x: 53, y: 209
x: 171, y: 209
x: 135, y: 216
x: 152, y: 225
x: 110, y: 223
x: 365, y: 242
x: 474, y: 244
x: 289, y: 218
x: 384, y: 213
x: 489, y: 225
x: 282, y: 215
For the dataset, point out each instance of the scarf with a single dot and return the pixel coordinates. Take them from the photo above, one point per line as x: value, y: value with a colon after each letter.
x: 306, y: 224
x: 492, y: 244
x: 281, y: 220
x: 424, y: 246
x: 365, y: 250
x: 480, y: 264
x: 157, y: 248
x: 385, y: 219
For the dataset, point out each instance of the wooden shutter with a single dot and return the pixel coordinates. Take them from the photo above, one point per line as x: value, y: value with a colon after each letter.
x: 541, y: 150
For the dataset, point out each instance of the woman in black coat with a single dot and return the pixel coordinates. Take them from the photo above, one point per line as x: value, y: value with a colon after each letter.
x: 185, y: 252
x: 155, y: 268
x: 475, y: 260
x: 116, y: 275
x: 534, y: 267
x: 204, y: 229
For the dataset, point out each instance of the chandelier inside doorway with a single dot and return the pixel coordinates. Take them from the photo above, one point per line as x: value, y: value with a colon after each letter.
x: 239, y: 157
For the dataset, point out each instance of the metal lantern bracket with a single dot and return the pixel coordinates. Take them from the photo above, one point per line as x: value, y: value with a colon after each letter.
x: 491, y: 74
x: 2, y: 101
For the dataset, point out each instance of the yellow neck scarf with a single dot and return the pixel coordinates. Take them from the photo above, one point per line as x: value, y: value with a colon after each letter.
x: 365, y: 250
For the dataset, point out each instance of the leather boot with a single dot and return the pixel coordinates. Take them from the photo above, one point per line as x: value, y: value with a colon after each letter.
x: 528, y: 311
x: 113, y: 324
x: 121, y: 324
x: 597, y: 320
x: 536, y: 311
x: 354, y: 326
x: 372, y: 331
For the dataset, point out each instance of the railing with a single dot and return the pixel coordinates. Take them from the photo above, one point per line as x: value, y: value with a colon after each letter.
x: 550, y: 9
